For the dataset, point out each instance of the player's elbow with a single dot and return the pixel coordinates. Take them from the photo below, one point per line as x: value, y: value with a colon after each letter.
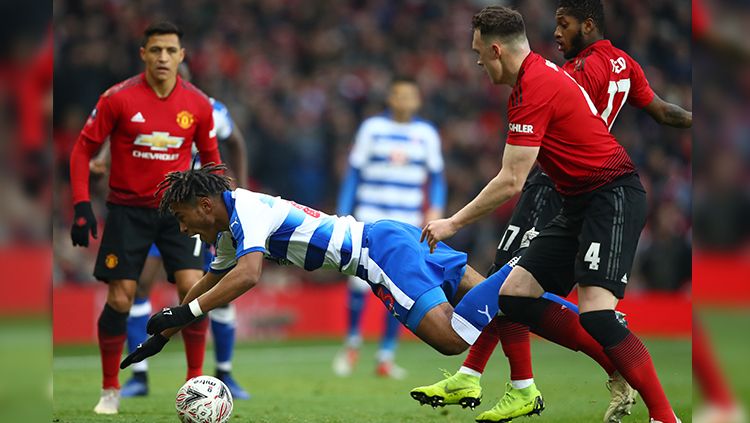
x: 660, y: 116
x: 249, y: 283
x: 508, y: 184
x: 518, y: 182
x: 514, y: 184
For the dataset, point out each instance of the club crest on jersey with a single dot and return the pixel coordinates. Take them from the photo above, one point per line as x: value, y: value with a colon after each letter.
x: 111, y: 261
x: 185, y: 119
x: 159, y: 141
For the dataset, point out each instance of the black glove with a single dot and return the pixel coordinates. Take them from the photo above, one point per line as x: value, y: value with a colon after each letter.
x: 152, y: 346
x: 83, y: 223
x: 169, y: 317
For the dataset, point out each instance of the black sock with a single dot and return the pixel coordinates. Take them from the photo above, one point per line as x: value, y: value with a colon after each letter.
x: 527, y: 311
x: 141, y: 376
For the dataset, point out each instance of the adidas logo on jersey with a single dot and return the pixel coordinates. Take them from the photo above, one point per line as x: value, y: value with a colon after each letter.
x: 624, y: 278
x: 138, y: 118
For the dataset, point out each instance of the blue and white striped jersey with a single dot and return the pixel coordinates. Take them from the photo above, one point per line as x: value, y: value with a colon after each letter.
x: 222, y: 120
x: 287, y: 232
x: 394, y: 161
x: 223, y: 125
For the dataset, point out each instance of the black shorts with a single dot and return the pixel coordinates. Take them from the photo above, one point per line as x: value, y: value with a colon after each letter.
x: 538, y: 204
x: 592, y: 240
x: 128, y: 235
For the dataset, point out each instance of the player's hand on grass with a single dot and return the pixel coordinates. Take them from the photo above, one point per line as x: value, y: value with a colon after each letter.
x: 438, y: 230
x: 152, y: 346
x: 169, y: 317
x: 84, y: 222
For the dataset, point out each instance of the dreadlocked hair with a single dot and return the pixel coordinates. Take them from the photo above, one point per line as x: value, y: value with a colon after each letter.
x: 188, y: 185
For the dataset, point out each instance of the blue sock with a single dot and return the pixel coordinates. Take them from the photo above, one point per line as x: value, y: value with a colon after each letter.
x: 390, y: 337
x: 222, y: 328
x: 356, y: 308
x: 140, y: 312
x: 477, y: 308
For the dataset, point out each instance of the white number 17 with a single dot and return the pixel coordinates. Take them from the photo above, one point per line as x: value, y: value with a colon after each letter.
x: 621, y: 86
x: 513, y: 231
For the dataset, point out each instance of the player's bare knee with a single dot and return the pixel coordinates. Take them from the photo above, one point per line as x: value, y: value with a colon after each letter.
x: 521, y: 283
x: 120, y: 295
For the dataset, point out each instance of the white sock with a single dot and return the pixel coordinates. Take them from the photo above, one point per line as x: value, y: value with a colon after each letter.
x: 354, y: 341
x: 224, y: 366
x: 521, y: 384
x: 384, y: 356
x: 467, y: 371
x: 141, y: 366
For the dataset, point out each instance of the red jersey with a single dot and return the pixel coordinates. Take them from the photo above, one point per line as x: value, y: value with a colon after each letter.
x: 149, y: 137
x: 611, y: 77
x: 701, y: 19
x: 548, y: 109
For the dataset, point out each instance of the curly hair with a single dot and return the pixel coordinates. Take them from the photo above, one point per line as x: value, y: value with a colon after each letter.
x: 584, y: 9
x: 499, y: 21
x: 188, y: 185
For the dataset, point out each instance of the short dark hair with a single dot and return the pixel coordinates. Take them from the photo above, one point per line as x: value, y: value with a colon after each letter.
x: 585, y: 9
x: 188, y: 185
x: 498, y: 21
x: 160, y: 28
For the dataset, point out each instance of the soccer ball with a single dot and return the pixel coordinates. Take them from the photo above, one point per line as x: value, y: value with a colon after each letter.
x: 204, y: 399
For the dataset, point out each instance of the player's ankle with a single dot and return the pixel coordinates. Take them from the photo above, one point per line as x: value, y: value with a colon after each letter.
x: 522, y: 383
x: 469, y: 371
x: 141, y: 376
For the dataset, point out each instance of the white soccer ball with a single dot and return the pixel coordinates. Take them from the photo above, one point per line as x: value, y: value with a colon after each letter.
x: 204, y: 399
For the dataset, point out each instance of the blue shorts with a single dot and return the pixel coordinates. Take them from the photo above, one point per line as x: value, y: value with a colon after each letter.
x: 401, y: 270
x: 208, y: 254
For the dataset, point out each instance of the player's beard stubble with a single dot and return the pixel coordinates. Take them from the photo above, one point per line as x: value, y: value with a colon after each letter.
x: 576, y: 45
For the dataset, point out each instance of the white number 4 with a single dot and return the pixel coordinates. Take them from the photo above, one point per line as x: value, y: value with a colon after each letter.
x: 592, y: 256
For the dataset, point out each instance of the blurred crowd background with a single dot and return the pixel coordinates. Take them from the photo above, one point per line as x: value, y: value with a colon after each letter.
x: 298, y: 77
x: 722, y: 130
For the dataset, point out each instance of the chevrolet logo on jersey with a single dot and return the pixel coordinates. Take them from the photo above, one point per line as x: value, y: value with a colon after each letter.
x: 159, y: 141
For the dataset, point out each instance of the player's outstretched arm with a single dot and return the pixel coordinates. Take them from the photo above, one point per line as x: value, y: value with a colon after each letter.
x: 233, y: 284
x: 517, y: 163
x: 204, y: 284
x: 666, y: 113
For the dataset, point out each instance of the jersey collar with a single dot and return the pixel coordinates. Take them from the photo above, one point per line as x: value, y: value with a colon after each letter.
x: 177, y: 85
x: 228, y: 197
x: 527, y: 61
x: 588, y: 50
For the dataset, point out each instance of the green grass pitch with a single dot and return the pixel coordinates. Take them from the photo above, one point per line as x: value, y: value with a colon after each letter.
x: 293, y: 382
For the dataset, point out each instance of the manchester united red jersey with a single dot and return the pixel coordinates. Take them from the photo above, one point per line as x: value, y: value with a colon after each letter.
x: 548, y: 109
x: 150, y: 136
x: 611, y: 77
